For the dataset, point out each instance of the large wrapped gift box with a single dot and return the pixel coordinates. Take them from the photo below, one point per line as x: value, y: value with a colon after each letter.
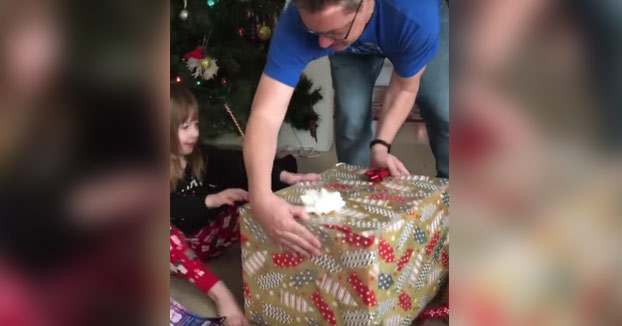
x: 384, y: 256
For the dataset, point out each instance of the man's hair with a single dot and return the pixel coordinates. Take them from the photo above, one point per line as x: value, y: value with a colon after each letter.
x: 317, y: 5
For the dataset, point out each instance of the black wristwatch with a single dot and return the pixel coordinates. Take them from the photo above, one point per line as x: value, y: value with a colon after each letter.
x: 381, y: 142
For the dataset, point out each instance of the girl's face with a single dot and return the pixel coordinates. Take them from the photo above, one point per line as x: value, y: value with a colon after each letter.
x: 188, y: 134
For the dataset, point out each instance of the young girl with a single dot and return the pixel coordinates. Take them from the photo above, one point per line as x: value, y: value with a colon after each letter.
x: 206, y: 183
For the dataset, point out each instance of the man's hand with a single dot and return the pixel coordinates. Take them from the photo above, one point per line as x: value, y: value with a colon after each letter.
x: 381, y: 159
x: 273, y: 213
x: 277, y: 217
x: 226, y: 197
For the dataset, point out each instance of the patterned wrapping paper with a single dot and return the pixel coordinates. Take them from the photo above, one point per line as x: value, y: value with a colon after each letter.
x: 384, y: 256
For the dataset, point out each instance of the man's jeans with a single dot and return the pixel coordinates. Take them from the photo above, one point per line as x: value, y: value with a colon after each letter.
x: 354, y: 77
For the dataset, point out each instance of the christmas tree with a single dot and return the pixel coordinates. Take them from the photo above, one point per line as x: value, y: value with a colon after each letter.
x: 219, y: 49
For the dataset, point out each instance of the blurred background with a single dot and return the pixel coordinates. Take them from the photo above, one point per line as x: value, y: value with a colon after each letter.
x: 535, y: 162
x: 83, y: 93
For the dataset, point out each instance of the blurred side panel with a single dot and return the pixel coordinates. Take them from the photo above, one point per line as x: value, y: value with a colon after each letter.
x: 83, y: 162
x: 535, y: 157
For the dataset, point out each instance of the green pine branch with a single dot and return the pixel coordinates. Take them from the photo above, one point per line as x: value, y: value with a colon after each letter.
x: 240, y: 61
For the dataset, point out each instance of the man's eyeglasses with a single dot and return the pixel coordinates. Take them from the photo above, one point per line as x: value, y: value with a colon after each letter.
x: 332, y: 36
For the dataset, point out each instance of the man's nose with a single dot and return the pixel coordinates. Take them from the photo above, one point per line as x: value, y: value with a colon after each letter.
x: 325, y: 42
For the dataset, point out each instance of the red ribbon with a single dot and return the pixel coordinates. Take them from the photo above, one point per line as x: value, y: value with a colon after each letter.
x: 377, y: 175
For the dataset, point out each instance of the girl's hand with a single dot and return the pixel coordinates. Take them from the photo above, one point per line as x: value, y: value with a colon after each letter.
x: 226, y: 197
x: 293, y: 178
x: 226, y: 305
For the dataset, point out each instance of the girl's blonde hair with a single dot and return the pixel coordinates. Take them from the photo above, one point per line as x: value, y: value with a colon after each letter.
x: 184, y: 107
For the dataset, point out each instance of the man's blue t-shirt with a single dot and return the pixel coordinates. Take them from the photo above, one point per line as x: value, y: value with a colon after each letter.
x: 405, y: 31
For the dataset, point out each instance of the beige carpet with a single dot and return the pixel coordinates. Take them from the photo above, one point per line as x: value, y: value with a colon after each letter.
x: 416, y: 156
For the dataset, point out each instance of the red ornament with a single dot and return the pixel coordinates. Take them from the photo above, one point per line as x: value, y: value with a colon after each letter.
x: 223, y: 81
x: 178, y: 79
x: 241, y: 31
x: 196, y: 53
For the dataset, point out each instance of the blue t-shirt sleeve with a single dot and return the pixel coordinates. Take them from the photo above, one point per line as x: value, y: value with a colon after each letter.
x: 291, y: 48
x: 418, y: 44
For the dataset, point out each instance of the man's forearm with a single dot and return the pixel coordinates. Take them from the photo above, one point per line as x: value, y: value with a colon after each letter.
x: 259, y: 151
x: 397, y: 104
x: 267, y: 114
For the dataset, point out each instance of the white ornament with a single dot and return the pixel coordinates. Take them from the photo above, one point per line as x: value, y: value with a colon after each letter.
x: 183, y: 14
x: 200, y: 70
